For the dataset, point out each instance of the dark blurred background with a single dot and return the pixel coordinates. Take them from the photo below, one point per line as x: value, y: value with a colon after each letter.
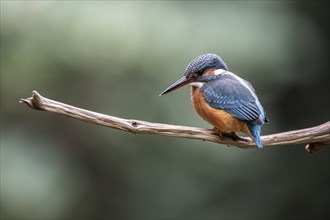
x: 115, y: 58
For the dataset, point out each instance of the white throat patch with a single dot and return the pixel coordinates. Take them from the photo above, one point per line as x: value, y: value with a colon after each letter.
x: 197, y: 84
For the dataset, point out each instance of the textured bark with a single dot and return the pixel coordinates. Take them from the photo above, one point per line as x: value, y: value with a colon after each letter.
x: 314, y: 138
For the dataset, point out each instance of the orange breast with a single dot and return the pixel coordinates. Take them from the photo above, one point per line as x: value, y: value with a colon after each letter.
x: 218, y: 118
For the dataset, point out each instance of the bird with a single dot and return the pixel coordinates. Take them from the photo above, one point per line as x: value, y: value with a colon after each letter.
x: 222, y: 99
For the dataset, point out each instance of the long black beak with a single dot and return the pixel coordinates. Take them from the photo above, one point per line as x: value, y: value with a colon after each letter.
x: 178, y: 84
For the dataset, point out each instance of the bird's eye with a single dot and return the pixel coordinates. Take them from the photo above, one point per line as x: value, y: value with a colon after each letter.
x: 193, y: 75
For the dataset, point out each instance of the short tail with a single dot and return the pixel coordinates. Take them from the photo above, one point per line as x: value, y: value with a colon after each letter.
x: 256, y: 132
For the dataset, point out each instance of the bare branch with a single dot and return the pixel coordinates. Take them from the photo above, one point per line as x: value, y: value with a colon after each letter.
x: 315, y: 137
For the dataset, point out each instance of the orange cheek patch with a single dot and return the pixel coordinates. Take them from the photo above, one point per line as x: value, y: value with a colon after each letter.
x: 209, y: 72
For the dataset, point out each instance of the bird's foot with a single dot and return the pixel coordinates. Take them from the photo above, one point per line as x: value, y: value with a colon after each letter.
x: 231, y: 135
x: 218, y: 132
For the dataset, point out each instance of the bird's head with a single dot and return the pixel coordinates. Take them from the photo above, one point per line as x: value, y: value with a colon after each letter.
x: 196, y: 71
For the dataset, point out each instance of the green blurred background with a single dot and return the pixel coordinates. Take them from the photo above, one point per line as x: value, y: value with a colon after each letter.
x: 115, y: 58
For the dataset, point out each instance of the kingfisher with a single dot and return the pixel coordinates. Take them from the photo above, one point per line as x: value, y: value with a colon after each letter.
x: 221, y: 98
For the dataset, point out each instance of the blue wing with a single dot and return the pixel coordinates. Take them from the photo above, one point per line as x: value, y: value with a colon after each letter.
x: 235, y: 96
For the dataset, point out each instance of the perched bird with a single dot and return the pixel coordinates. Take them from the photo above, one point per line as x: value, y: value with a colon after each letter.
x: 221, y: 98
